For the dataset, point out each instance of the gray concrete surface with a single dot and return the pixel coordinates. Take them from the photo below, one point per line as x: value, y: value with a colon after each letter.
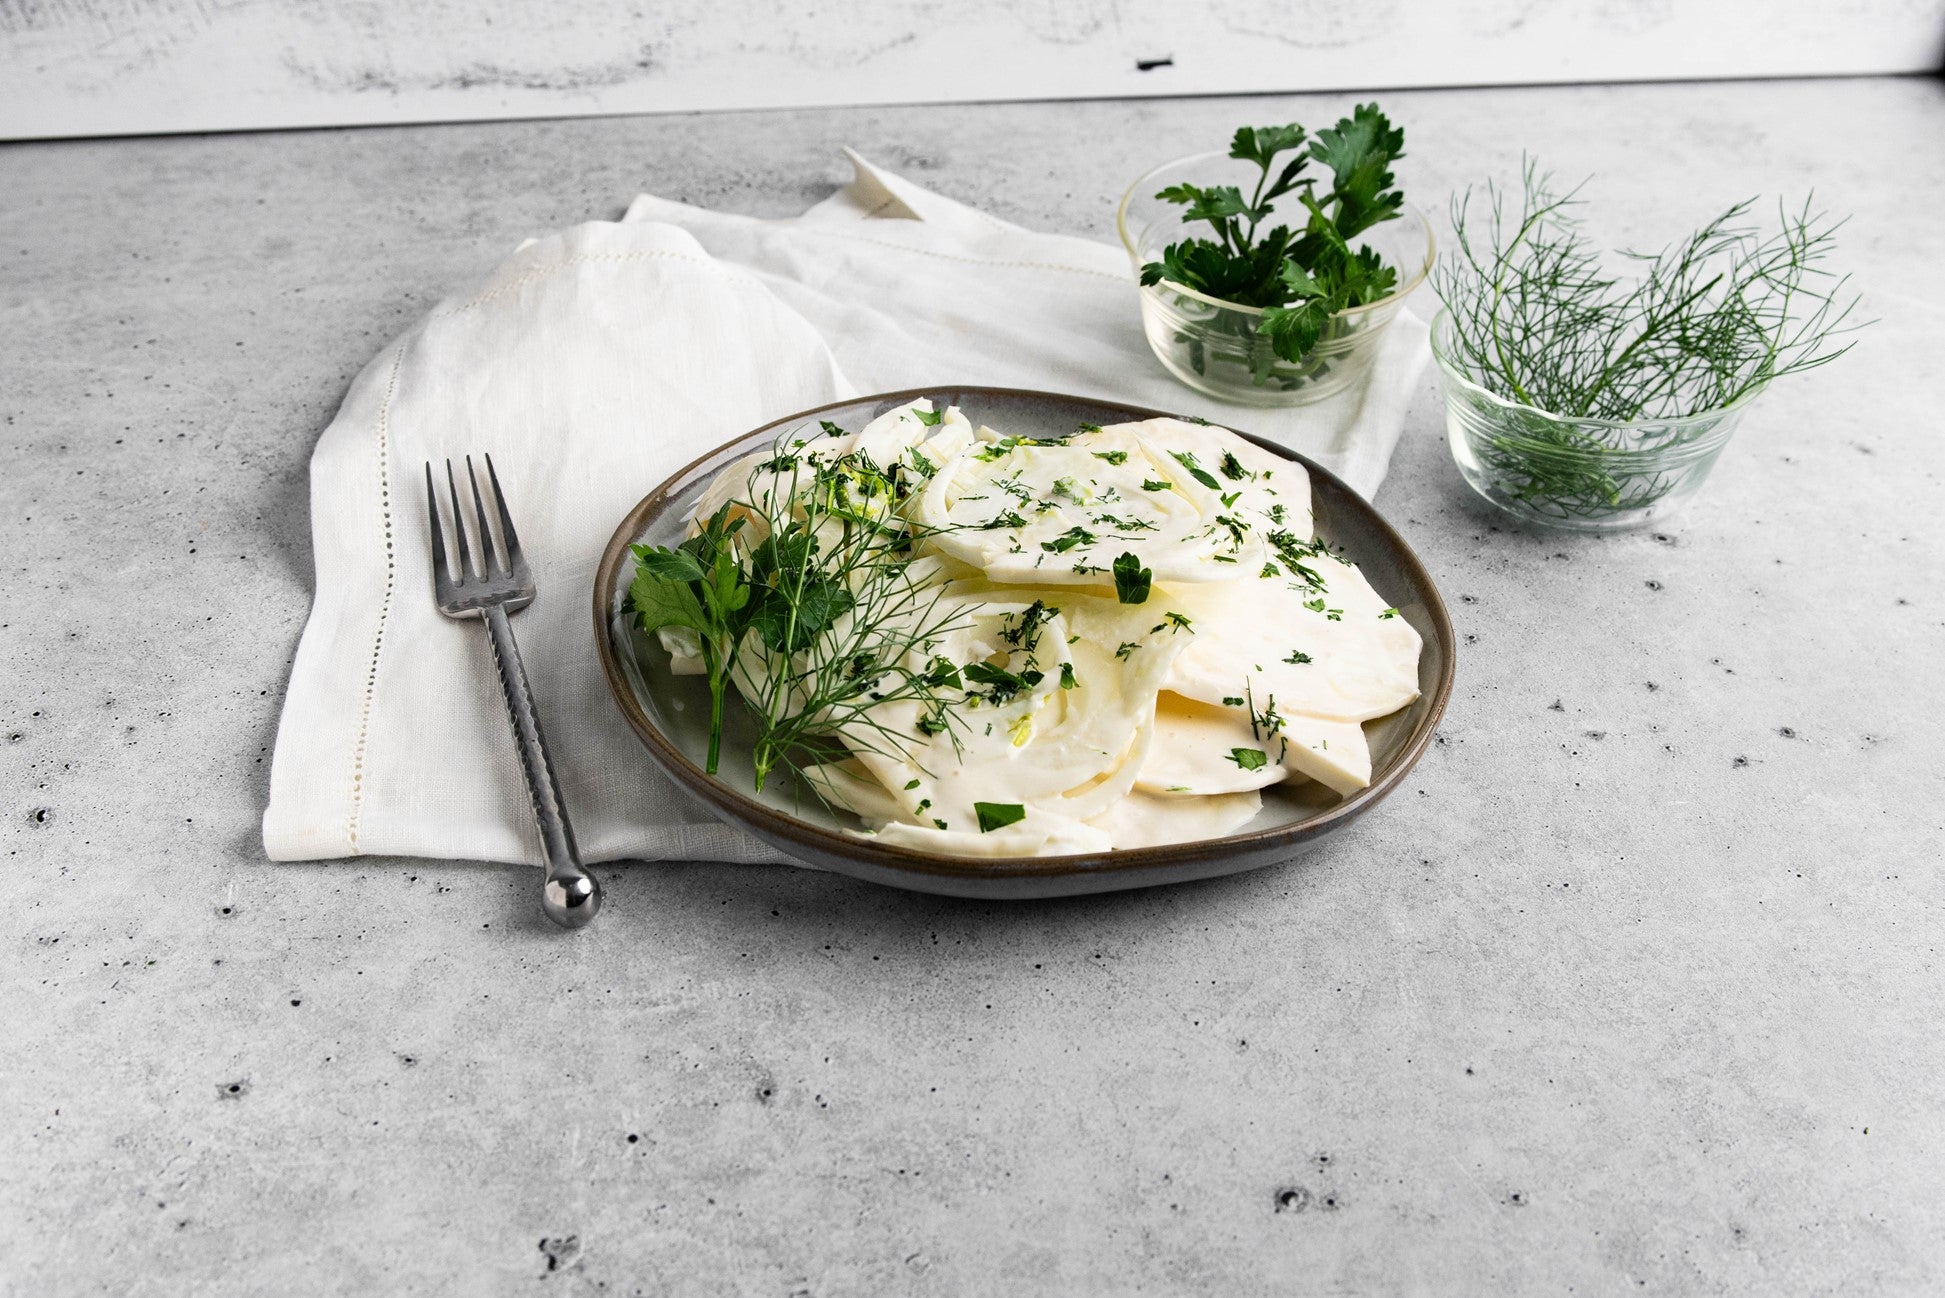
x: 1635, y: 989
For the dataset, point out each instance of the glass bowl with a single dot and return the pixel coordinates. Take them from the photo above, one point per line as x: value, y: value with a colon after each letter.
x: 1582, y: 475
x: 1214, y: 346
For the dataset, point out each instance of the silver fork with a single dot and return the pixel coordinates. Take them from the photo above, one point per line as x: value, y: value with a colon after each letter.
x: 491, y: 590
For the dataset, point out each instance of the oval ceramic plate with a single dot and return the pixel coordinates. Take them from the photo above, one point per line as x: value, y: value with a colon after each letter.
x: 671, y: 713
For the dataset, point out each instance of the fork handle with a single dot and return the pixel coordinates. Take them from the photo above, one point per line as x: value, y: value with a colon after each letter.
x: 570, y: 896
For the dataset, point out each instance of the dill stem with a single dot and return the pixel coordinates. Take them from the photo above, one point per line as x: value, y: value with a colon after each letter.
x: 1655, y: 324
x: 1499, y: 295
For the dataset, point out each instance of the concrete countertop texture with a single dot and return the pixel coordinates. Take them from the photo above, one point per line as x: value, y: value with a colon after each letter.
x: 1635, y: 987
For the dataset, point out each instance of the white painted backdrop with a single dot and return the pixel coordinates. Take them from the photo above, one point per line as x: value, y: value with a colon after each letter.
x: 96, y: 67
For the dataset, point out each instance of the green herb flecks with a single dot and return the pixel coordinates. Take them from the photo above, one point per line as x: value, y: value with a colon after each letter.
x: 1187, y: 460
x: 1067, y: 540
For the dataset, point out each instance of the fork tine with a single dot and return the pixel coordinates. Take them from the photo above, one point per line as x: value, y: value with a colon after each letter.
x: 441, y: 574
x: 507, y: 533
x: 459, y: 528
x: 488, y: 561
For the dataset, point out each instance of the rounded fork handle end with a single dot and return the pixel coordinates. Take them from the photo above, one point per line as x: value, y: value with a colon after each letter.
x: 571, y: 900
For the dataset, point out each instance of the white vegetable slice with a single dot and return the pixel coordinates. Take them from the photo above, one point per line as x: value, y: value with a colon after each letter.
x: 891, y: 434
x: 850, y: 786
x: 1060, y: 513
x: 1201, y: 749
x: 684, y: 646
x: 1333, y: 753
x: 1039, y: 834
x: 1142, y: 820
x: 1066, y: 749
x: 1263, y: 483
x: 1277, y: 637
x: 767, y: 477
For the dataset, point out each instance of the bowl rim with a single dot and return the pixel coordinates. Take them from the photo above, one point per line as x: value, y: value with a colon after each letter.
x: 782, y: 828
x: 1391, y: 299
x: 1449, y: 367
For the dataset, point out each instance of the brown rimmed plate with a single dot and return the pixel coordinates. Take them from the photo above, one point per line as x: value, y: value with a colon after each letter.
x: 670, y: 713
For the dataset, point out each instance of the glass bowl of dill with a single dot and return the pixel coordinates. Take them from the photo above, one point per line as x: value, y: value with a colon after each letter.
x: 1226, y: 348
x: 1593, y: 391
x: 1577, y: 474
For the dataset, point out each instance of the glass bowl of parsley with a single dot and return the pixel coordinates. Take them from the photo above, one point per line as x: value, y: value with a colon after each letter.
x: 1269, y: 273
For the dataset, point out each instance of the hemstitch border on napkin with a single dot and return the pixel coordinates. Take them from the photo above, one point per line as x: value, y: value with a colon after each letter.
x: 384, y: 442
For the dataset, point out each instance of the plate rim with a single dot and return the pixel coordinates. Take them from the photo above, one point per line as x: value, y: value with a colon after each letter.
x: 781, y: 828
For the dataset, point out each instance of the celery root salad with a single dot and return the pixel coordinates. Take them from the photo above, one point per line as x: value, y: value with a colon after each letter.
x: 984, y: 645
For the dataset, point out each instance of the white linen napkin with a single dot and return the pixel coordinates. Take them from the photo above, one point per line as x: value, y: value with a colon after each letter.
x: 591, y: 365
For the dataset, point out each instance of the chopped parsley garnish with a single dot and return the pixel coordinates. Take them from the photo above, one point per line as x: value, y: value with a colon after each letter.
x: 1250, y: 759
x: 1150, y: 484
x: 1112, y: 457
x: 1187, y: 460
x: 1387, y: 615
x: 1268, y: 723
x: 998, y: 815
x: 910, y: 785
x: 1025, y: 635
x: 1127, y: 647
x: 1001, y: 685
x: 1298, y: 658
x: 1073, y: 536
x: 1270, y: 570
x: 1232, y: 702
x: 830, y: 429
x: 1067, y: 681
x: 930, y: 418
x: 1293, y: 553
x: 1131, y: 580
x: 1232, y: 468
x: 1170, y: 620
